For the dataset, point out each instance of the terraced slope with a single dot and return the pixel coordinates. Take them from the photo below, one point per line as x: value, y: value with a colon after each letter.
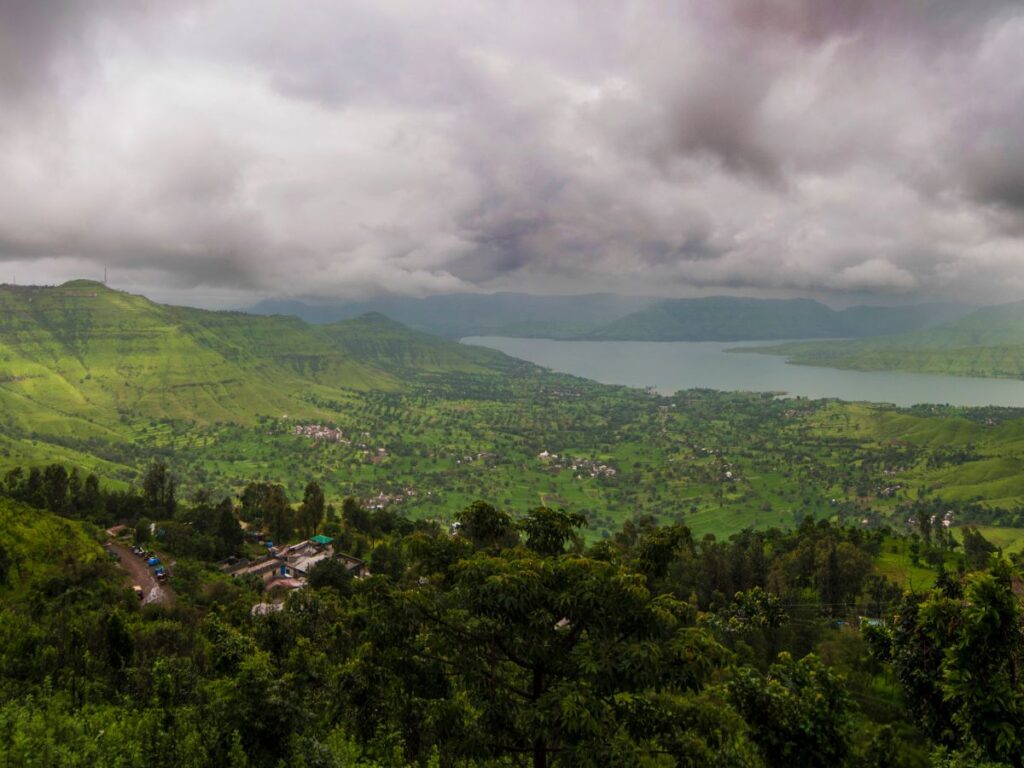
x: 83, y: 366
x: 89, y: 353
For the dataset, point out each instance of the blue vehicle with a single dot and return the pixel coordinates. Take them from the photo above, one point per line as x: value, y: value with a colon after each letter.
x: 153, y: 561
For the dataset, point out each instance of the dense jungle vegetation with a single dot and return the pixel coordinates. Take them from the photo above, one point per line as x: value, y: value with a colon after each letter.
x: 508, y: 642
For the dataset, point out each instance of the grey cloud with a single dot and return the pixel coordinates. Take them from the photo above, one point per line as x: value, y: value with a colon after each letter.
x: 820, y: 146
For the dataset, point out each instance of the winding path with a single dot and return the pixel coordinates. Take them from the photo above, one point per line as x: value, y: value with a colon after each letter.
x: 152, y: 590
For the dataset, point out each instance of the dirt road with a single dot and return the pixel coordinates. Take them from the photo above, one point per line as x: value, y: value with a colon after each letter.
x: 152, y: 590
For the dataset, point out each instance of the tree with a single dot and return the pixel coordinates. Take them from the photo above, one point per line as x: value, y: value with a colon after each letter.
x: 5, y: 565
x: 959, y: 662
x: 90, y: 502
x: 14, y: 483
x: 311, y: 512
x: 548, y: 530
x: 563, y: 656
x: 253, y: 502
x: 332, y: 574
x: 278, y: 514
x: 977, y: 549
x: 32, y: 492
x: 55, y: 489
x: 355, y: 516
x: 799, y: 714
x: 386, y: 560
x: 487, y: 526
x: 228, y: 532
x: 158, y: 491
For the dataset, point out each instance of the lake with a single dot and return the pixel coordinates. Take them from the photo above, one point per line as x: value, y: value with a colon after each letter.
x: 669, y: 366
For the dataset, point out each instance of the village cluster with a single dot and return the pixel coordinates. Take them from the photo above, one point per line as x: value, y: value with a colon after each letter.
x: 470, y: 458
x: 327, y: 434
x: 287, y: 568
x: 383, y: 500
x: 946, y: 522
x: 321, y: 432
x: 581, y: 467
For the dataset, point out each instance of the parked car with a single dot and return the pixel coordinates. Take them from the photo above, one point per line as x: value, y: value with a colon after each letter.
x: 160, y: 573
x: 153, y: 561
x: 137, y: 589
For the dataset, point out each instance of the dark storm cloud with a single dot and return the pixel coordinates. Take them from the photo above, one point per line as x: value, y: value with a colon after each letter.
x: 36, y: 39
x: 343, y: 148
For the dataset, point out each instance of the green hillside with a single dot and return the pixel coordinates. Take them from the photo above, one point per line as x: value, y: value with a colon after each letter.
x: 37, y: 545
x: 988, y: 342
x: 85, y: 352
x: 475, y: 314
x: 375, y: 340
x: 84, y: 369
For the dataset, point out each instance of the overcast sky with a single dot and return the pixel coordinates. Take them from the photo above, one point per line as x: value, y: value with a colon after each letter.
x: 225, y: 149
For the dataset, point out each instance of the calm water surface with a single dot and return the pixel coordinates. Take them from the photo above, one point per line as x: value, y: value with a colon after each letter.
x: 669, y: 366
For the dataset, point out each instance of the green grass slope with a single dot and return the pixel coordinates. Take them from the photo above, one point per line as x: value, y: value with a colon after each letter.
x: 38, y: 545
x: 374, y: 339
x: 83, y: 368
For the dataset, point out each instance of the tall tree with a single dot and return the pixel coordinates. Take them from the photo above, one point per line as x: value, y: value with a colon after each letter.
x: 228, y: 532
x: 159, y: 491
x: 548, y: 530
x: 960, y: 662
x: 55, y: 488
x: 487, y: 526
x: 799, y: 714
x: 278, y: 514
x: 311, y: 512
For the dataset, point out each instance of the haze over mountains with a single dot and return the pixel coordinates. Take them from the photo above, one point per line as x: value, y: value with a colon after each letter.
x: 624, y: 318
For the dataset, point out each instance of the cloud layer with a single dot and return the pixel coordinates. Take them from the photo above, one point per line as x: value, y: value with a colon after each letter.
x: 327, y: 148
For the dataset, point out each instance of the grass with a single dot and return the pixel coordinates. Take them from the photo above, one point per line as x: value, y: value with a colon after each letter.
x: 39, y: 545
x: 894, y: 562
x: 1010, y: 540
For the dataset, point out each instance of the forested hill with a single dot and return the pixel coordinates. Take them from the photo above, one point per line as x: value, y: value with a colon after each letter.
x: 501, y: 643
x: 81, y: 355
x: 625, y: 318
x: 374, y: 339
x: 988, y: 342
x: 476, y: 314
x: 727, y: 318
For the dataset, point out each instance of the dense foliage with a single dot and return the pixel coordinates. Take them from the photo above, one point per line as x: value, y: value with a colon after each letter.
x: 504, y: 642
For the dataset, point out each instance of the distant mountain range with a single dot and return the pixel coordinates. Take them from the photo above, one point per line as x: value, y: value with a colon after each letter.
x: 476, y: 314
x: 626, y: 318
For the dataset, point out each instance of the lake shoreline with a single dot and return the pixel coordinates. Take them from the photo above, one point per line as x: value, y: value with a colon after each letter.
x: 671, y: 366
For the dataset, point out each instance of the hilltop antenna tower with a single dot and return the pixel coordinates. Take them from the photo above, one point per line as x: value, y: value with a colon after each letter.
x: 104, y: 275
